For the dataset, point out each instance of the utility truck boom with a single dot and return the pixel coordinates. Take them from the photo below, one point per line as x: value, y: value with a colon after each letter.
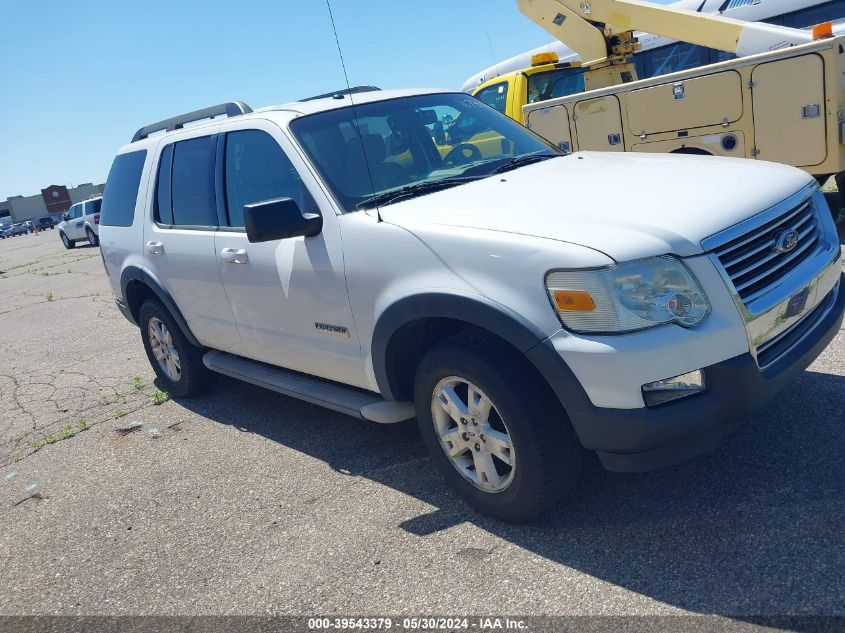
x: 601, y: 30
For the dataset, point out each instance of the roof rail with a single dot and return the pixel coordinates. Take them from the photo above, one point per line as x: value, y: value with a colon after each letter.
x: 338, y: 94
x: 232, y: 108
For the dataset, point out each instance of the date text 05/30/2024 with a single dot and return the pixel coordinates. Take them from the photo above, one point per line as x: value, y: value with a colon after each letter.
x: 418, y: 624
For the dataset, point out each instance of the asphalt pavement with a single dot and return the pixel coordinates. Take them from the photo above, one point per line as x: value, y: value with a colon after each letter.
x: 248, y: 502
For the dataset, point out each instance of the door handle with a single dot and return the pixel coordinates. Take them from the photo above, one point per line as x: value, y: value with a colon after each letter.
x: 234, y: 255
x: 155, y: 248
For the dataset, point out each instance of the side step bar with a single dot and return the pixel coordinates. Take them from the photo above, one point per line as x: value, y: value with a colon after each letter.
x: 348, y: 400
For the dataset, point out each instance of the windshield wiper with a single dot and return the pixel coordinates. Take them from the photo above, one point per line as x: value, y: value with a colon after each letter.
x: 413, y: 190
x: 521, y: 161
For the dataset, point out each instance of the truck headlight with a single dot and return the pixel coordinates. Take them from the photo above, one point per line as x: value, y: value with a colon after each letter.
x: 628, y: 297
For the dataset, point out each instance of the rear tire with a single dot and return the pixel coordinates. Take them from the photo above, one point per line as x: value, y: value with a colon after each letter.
x: 93, y: 240
x: 176, y: 362
x: 541, y: 458
x: 69, y: 244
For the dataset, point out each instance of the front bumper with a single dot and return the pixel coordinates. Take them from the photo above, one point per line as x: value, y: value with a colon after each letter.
x: 642, y: 439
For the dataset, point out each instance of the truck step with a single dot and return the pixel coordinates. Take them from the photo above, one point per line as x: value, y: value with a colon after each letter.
x: 348, y: 400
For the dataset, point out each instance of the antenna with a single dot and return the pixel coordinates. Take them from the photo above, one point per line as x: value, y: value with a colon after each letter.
x: 354, y: 109
x: 493, y: 55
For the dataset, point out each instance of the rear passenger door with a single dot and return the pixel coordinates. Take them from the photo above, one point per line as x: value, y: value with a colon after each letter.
x: 288, y: 296
x: 75, y: 229
x: 179, y: 241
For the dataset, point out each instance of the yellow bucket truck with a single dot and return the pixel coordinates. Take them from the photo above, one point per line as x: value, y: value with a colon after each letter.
x: 781, y: 100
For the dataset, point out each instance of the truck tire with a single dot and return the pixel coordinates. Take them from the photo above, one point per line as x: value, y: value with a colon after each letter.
x: 176, y: 362
x: 496, y: 434
x: 69, y: 244
x: 93, y: 240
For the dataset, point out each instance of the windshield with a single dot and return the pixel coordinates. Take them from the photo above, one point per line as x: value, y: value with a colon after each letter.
x: 367, y: 150
x: 555, y: 83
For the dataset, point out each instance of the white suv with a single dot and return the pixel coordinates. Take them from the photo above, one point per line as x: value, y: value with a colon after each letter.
x: 81, y: 222
x: 419, y: 254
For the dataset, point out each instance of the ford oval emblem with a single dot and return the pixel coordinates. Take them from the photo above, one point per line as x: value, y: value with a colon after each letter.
x: 786, y: 241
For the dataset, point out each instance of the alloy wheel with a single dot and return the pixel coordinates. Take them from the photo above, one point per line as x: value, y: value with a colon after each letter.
x: 473, y: 435
x: 161, y: 343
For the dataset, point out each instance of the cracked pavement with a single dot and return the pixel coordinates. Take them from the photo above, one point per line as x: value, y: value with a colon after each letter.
x: 56, y: 308
x: 247, y: 502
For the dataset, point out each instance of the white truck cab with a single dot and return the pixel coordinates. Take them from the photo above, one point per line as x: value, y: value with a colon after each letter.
x: 399, y: 254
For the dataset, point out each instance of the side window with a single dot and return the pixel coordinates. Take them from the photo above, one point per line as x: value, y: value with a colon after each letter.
x: 74, y: 212
x: 258, y: 169
x: 163, y: 208
x: 496, y: 96
x: 192, y: 182
x: 93, y: 206
x: 121, y: 192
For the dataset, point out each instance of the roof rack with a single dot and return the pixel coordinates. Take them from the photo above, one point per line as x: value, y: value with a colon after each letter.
x: 232, y: 108
x: 339, y: 94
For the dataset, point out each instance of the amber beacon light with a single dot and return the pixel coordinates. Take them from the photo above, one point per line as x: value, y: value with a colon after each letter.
x: 823, y: 31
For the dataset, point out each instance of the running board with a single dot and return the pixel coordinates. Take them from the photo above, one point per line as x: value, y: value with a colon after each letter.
x: 348, y: 400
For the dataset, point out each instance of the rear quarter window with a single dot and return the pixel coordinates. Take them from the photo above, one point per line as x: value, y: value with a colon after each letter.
x: 121, y: 192
x: 93, y: 207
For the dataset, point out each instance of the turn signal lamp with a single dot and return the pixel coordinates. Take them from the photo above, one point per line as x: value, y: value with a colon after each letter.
x: 823, y: 31
x: 574, y: 301
x: 544, y: 58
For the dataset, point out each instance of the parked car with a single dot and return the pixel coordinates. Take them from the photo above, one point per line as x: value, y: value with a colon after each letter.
x: 81, y: 222
x: 521, y: 303
x: 19, y: 228
x: 42, y: 224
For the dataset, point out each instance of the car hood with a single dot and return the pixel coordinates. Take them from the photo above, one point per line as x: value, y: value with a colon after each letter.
x: 625, y: 205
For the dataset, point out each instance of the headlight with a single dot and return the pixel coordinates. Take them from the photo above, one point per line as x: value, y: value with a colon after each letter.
x: 627, y: 297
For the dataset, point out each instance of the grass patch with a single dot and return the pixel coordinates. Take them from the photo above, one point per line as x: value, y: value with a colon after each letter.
x: 118, y: 396
x: 120, y: 413
x: 159, y: 397
x: 50, y: 296
x: 65, y: 434
x: 138, y: 383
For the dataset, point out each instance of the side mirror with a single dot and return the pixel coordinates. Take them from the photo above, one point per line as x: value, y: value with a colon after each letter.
x: 279, y: 219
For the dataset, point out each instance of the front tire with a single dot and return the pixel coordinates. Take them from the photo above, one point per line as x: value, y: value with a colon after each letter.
x: 69, y: 244
x: 495, y: 432
x: 176, y: 362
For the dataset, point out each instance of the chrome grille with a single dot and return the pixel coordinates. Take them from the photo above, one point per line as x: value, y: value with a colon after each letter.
x: 751, y: 260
